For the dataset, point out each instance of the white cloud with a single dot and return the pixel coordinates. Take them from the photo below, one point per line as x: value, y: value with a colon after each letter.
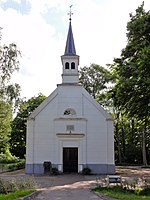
x: 44, y: 5
x: 3, y: 1
x: 99, y: 32
x: 17, y: 1
x: 40, y: 63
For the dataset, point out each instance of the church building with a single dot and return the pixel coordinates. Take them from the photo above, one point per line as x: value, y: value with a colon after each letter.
x: 70, y: 129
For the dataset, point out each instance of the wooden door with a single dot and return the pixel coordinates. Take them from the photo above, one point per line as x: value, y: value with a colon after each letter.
x: 70, y: 160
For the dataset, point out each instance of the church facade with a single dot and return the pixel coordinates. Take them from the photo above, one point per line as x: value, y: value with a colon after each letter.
x: 70, y: 129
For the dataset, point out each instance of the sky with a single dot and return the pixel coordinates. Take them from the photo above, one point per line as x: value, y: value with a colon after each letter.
x: 39, y: 28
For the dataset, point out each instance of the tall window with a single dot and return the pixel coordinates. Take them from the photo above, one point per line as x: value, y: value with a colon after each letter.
x: 66, y: 65
x: 72, y: 65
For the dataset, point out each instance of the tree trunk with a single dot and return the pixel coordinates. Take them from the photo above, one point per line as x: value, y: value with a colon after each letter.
x: 132, y: 131
x: 118, y: 142
x: 123, y: 138
x: 144, y: 146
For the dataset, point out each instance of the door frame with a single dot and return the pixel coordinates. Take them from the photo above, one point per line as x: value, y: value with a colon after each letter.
x: 69, y: 143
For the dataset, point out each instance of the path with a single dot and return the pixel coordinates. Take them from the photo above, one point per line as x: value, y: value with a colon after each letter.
x: 61, y: 187
x: 74, y: 187
x: 70, y: 187
x: 74, y: 191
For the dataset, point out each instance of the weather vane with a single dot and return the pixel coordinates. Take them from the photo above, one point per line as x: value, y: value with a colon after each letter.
x: 70, y: 13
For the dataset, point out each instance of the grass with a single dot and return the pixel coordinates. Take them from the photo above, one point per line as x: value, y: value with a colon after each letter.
x: 121, y: 194
x: 14, y: 195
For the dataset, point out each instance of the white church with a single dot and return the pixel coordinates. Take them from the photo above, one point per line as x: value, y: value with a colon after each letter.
x: 70, y: 129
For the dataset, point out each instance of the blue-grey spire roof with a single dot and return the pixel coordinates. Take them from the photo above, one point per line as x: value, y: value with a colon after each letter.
x: 70, y: 47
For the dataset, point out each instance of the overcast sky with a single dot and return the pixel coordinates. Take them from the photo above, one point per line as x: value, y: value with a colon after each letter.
x: 39, y: 28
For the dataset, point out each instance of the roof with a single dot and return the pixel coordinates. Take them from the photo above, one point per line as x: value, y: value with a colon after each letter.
x: 70, y: 46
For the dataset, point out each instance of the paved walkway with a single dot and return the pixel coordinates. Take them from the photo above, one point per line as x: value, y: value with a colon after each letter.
x: 61, y: 187
x: 73, y: 186
x: 70, y: 187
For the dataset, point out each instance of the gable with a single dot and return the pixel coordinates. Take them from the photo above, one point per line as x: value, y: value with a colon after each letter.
x: 82, y: 92
x: 44, y: 104
x: 96, y: 105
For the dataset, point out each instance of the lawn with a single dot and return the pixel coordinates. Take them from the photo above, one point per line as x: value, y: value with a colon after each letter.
x: 121, y: 194
x: 14, y: 195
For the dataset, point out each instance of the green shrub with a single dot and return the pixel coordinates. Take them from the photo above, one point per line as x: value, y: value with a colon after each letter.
x: 144, y: 192
x: 8, y: 158
x: 86, y: 171
x: 7, y: 186
x: 118, y: 192
x: 54, y: 171
x: 10, y: 165
x: 3, y: 187
x: 18, y: 165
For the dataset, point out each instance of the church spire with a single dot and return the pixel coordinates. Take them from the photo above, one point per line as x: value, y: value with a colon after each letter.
x: 70, y: 47
x: 70, y: 60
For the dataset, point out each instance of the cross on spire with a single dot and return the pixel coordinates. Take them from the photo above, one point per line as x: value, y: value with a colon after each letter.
x: 70, y: 13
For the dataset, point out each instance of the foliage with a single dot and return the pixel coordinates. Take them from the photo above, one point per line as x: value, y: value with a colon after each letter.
x: 13, y: 185
x: 7, y: 158
x: 9, y: 93
x: 9, y: 162
x: 5, y: 128
x: 5, y: 167
x: 8, y: 60
x: 16, y: 166
x: 16, y: 195
x: 135, y: 188
x: 86, y: 171
x: 127, y: 140
x: 19, y: 124
x: 95, y: 79
x: 132, y: 90
x: 131, y: 93
x: 54, y: 171
x: 122, y: 194
x: 9, y: 63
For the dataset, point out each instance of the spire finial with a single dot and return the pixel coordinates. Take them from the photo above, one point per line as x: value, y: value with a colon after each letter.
x: 70, y: 13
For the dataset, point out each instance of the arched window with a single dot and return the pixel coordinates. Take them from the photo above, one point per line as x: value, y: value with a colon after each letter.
x: 69, y: 111
x: 72, y: 65
x: 66, y: 65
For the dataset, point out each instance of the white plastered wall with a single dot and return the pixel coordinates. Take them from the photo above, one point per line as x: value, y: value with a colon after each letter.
x: 95, y: 143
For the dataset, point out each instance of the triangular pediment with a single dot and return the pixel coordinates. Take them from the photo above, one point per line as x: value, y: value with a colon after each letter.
x: 82, y: 92
x: 96, y: 105
x: 44, y: 104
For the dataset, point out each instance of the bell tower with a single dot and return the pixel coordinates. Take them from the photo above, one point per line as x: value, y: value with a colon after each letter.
x: 70, y: 60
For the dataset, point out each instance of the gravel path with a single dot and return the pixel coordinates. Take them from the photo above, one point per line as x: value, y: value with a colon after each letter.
x: 73, y: 186
x: 62, y: 187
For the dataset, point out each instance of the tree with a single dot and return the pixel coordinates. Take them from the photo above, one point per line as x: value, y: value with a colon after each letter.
x: 127, y: 139
x: 131, y: 94
x: 96, y: 80
x: 9, y: 93
x: 9, y: 63
x: 19, y: 124
x: 5, y: 128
